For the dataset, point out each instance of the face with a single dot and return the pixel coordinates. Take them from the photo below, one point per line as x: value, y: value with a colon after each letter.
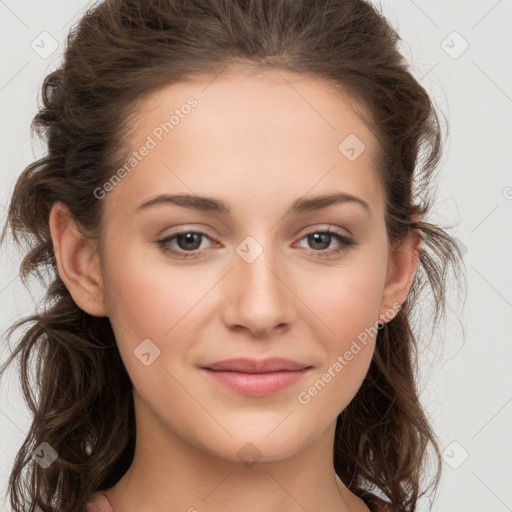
x: 186, y: 286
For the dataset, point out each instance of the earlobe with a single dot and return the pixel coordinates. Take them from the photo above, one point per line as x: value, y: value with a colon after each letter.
x: 77, y: 261
x: 403, y: 265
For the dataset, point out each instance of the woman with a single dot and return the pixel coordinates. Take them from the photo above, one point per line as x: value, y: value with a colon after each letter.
x: 256, y: 369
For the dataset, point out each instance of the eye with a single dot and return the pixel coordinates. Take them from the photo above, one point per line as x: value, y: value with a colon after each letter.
x: 189, y: 243
x: 322, y: 239
x: 186, y: 240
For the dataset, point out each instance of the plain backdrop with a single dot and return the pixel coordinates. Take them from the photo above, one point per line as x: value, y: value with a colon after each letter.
x: 460, y: 52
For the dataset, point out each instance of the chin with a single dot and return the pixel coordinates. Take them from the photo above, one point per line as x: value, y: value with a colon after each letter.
x: 250, y: 446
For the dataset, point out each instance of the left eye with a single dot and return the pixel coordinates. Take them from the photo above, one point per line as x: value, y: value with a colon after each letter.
x: 322, y: 238
x: 189, y: 243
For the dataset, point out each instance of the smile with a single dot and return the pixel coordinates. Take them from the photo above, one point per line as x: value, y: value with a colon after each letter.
x: 256, y: 384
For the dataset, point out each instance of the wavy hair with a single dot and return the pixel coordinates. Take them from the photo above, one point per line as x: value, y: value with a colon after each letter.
x: 118, y: 53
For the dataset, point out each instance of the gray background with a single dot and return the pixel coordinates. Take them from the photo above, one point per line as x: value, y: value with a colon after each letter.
x: 466, y: 373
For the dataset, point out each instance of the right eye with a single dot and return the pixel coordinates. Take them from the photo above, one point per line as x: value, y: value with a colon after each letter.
x: 185, y: 239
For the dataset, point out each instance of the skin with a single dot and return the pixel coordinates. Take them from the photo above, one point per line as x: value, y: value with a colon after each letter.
x: 257, y: 141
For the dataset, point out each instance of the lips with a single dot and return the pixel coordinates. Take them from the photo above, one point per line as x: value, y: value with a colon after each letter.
x: 256, y: 377
x: 245, y: 365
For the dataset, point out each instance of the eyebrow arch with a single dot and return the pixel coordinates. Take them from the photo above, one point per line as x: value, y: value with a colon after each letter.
x: 208, y: 204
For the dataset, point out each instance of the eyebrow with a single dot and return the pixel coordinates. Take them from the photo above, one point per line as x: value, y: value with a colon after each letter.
x: 208, y: 204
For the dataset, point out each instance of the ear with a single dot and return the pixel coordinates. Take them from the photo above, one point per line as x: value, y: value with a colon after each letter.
x: 403, y: 264
x: 77, y: 261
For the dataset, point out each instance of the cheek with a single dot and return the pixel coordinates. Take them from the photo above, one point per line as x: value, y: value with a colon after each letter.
x: 138, y: 293
x: 346, y: 305
x: 347, y: 300
x: 140, y: 303
x: 145, y: 303
x: 152, y: 300
x: 134, y: 303
x: 349, y: 309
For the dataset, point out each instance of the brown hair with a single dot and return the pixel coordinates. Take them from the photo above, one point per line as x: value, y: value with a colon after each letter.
x: 122, y: 50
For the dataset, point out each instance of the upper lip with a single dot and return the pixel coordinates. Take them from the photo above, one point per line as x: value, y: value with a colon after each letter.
x: 245, y: 365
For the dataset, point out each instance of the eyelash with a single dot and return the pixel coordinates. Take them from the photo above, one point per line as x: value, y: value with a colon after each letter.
x: 346, y: 244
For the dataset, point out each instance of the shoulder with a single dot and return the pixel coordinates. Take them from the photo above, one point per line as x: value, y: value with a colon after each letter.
x: 99, y: 503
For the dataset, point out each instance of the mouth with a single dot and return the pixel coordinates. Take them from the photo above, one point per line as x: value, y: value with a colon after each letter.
x: 256, y: 378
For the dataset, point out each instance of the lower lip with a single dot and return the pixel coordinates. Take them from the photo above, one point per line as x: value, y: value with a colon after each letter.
x: 257, y: 384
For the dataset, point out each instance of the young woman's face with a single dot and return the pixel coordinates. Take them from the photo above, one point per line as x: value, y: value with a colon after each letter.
x: 188, y: 283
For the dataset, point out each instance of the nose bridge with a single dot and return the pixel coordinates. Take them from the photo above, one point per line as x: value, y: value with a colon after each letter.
x: 261, y: 299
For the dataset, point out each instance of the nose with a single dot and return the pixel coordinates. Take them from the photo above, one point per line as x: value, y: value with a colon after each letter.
x: 257, y: 297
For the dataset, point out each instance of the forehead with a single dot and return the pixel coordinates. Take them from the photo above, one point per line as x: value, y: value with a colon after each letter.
x: 274, y: 131
x: 251, y: 101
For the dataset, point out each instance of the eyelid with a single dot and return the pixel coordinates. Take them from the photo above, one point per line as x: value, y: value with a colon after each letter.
x: 300, y: 234
x: 324, y: 227
x: 185, y: 228
x: 346, y: 242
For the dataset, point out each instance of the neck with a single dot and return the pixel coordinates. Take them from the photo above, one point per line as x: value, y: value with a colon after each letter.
x: 168, y: 474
